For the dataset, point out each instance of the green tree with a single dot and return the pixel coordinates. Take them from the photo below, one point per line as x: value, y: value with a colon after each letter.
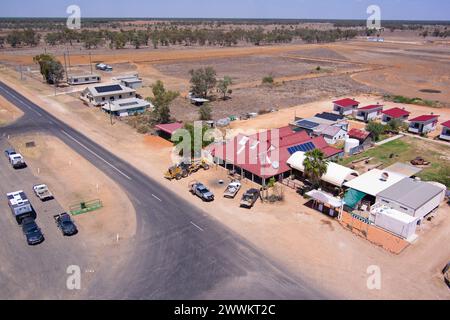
x: 376, y: 129
x: 162, y: 99
x: 394, y: 125
x: 51, y: 69
x: 223, y: 86
x: 196, y: 144
x: 202, y: 81
x: 205, y: 112
x: 14, y: 38
x: 315, y: 166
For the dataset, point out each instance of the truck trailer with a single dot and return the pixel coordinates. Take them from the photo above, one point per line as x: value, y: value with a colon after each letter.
x: 21, y: 207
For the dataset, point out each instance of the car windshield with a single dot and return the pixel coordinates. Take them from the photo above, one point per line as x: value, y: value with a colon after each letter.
x: 203, y: 190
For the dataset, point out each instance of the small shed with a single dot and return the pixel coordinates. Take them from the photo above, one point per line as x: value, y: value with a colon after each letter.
x: 445, y: 134
x: 168, y: 129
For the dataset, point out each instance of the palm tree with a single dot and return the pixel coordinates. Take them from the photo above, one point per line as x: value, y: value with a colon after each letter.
x: 315, y: 166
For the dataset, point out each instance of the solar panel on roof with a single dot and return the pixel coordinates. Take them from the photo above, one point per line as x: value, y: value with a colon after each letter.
x: 305, y: 147
x: 111, y: 88
x: 329, y: 116
x: 307, y: 124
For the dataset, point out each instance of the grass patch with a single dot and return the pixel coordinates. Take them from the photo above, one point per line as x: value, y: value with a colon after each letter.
x: 415, y: 101
x: 406, y: 149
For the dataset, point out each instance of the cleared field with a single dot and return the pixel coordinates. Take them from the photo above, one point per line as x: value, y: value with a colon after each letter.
x: 251, y: 68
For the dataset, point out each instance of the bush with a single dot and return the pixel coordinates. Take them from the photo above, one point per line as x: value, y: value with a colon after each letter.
x: 205, y: 112
x: 143, y: 129
x: 268, y: 80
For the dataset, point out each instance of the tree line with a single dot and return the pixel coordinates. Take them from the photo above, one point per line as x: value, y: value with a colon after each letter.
x: 169, y: 36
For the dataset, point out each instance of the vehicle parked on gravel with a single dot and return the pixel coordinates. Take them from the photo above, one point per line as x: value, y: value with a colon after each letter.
x: 199, y: 189
x: 32, y: 232
x: 20, y: 206
x: 17, y: 161
x: 42, y: 192
x: 232, y: 190
x: 65, y: 223
x: 249, y: 198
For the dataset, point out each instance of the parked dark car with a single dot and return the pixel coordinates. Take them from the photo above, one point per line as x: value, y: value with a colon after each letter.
x: 66, y: 224
x: 32, y: 232
x: 249, y: 198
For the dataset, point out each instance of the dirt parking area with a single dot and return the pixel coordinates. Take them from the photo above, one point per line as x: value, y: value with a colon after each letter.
x: 73, y: 180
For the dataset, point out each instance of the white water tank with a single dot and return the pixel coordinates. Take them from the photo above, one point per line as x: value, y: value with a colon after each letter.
x: 351, y: 144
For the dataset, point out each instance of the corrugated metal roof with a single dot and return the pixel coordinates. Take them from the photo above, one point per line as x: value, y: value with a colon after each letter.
x: 411, y: 193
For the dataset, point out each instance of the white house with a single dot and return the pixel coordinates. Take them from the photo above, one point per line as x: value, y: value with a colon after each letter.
x: 369, y: 113
x: 101, y: 94
x: 345, y: 107
x: 331, y: 134
x: 445, y: 134
x: 131, y: 81
x: 395, y: 114
x: 127, y: 107
x: 423, y: 124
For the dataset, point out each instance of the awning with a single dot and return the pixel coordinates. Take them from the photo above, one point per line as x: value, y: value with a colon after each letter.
x: 353, y: 197
x: 325, y: 198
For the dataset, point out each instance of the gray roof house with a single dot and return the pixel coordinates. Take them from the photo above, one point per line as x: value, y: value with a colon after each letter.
x: 99, y: 95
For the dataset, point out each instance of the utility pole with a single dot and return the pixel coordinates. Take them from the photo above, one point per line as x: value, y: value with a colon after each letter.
x: 90, y: 61
x: 110, y: 113
x: 65, y: 65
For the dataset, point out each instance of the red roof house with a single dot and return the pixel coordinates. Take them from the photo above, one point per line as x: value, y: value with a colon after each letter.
x: 264, y: 155
x: 423, y: 124
x: 345, y: 106
x: 397, y: 113
x: 360, y: 135
x: 369, y: 113
x: 445, y: 134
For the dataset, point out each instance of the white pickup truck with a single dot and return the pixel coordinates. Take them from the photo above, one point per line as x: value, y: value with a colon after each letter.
x: 17, y: 161
x: 42, y: 192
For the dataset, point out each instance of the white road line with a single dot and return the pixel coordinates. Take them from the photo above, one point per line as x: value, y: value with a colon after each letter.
x: 25, y: 103
x: 156, y: 198
x: 197, y: 226
x: 109, y: 164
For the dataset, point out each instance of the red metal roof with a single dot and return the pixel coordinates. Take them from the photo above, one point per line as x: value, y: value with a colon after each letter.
x: 346, y: 102
x: 372, y: 107
x: 169, y: 128
x: 358, y: 134
x: 263, y: 157
x: 396, y: 113
x: 446, y: 124
x: 425, y: 118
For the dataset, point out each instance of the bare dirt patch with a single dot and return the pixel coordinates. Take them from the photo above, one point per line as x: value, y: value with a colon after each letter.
x: 8, y: 112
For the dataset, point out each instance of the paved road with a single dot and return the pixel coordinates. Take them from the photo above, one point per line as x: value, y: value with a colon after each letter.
x: 178, y: 251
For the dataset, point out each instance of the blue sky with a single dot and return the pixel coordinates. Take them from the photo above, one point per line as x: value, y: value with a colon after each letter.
x: 299, y: 9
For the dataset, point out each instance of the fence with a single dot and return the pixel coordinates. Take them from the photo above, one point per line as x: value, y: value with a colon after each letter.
x: 84, y: 207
